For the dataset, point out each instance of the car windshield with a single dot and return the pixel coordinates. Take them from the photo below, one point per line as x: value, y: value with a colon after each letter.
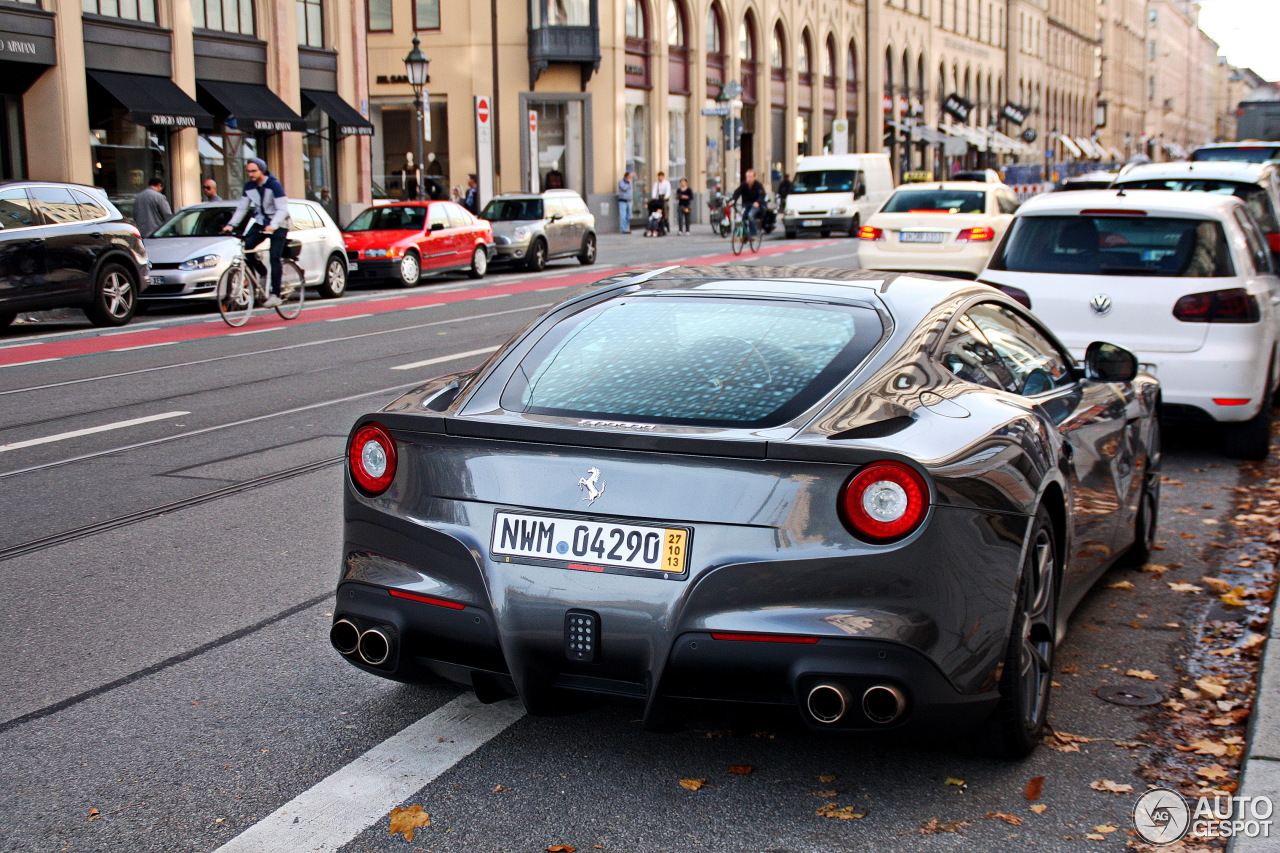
x: 824, y: 181
x: 390, y: 219
x: 936, y: 201
x: 1252, y: 194
x: 512, y: 210
x: 693, y: 360
x: 1239, y: 153
x: 1116, y: 245
x: 196, y: 222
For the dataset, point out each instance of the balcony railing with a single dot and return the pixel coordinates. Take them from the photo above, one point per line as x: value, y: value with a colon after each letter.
x: 564, y: 44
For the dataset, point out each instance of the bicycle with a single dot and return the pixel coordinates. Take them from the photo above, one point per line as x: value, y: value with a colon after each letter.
x: 241, y: 286
x: 744, y: 234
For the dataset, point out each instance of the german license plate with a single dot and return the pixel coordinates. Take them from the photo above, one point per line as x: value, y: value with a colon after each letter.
x: 920, y: 236
x: 352, y: 265
x: 580, y: 542
x: 811, y: 223
x: 157, y: 280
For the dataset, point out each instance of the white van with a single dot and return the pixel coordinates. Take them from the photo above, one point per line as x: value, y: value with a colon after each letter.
x: 836, y: 192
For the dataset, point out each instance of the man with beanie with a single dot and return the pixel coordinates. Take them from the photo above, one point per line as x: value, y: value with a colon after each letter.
x: 265, y: 195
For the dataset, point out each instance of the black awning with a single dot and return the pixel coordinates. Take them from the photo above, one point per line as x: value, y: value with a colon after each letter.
x: 152, y: 101
x: 250, y: 107
x: 345, y: 116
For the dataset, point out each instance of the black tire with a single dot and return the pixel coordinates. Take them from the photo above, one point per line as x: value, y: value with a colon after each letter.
x: 409, y: 270
x: 790, y: 233
x: 537, y: 259
x: 824, y: 233
x: 7, y: 317
x: 334, y: 283
x: 756, y: 239
x: 115, y: 297
x: 855, y: 226
x: 1250, y: 439
x: 1146, y: 522
x: 588, y: 254
x: 479, y: 262
x: 1018, y: 723
x: 293, y: 290
x: 736, y: 240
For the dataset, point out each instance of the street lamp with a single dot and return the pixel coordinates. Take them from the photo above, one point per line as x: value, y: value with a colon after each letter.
x: 415, y: 68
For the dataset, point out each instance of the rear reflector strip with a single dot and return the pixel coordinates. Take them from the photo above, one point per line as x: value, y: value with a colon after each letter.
x: 764, y: 638
x: 583, y: 567
x: 1108, y: 212
x: 1231, y: 401
x: 426, y: 599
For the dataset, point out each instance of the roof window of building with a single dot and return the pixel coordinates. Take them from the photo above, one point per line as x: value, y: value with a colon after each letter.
x: 223, y: 15
x: 133, y: 10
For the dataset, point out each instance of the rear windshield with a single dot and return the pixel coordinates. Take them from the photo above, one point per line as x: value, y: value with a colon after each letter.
x: 824, y: 181
x: 1240, y: 153
x: 693, y: 360
x: 936, y: 201
x: 1252, y: 194
x: 1116, y: 245
x: 200, y: 222
x: 390, y: 219
x: 512, y: 210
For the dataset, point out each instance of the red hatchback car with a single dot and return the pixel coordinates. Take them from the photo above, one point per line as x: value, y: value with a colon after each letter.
x: 407, y: 240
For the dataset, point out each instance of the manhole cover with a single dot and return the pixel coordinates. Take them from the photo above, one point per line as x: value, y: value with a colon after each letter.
x: 1124, y: 694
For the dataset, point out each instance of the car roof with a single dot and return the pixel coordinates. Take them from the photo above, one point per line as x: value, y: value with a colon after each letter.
x: 1093, y: 176
x: 1231, y: 170
x: 544, y: 194
x: 1159, y: 202
x: 970, y: 186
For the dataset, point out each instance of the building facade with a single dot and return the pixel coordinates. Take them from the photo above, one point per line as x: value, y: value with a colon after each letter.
x: 114, y: 92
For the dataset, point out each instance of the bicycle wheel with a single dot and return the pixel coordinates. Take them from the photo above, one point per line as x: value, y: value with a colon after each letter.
x: 737, y: 239
x: 293, y: 289
x: 235, y: 297
x: 757, y: 238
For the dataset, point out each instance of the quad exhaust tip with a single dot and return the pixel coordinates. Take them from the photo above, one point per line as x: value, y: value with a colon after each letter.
x: 374, y: 647
x: 882, y: 704
x: 828, y: 703
x: 345, y: 636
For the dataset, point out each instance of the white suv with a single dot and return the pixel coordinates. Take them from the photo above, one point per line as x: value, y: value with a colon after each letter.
x: 1183, y: 279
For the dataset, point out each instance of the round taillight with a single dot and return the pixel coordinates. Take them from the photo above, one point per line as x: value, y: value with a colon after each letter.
x: 884, y: 501
x: 371, y: 458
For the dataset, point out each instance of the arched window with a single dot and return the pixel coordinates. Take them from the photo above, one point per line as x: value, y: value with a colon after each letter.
x: 747, y: 51
x: 636, y: 25
x: 715, y: 51
x: 715, y: 30
x: 804, y: 54
x: 679, y: 80
x: 675, y: 24
x: 829, y: 63
x: 778, y: 50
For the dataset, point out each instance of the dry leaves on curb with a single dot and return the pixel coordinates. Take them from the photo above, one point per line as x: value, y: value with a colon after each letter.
x: 831, y: 810
x: 692, y: 784
x: 1144, y: 674
x: 408, y: 820
x: 1012, y: 820
x: 1111, y: 787
x: 561, y: 848
x: 933, y: 826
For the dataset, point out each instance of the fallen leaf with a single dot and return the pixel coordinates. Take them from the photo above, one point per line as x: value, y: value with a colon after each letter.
x: 408, y: 820
x: 1252, y: 642
x: 1213, y: 772
x: 826, y: 795
x: 1120, y: 585
x: 692, y: 784
x: 835, y: 812
x: 1212, y: 686
x: 1093, y: 836
x: 1206, y: 747
x: 932, y: 826
x: 1039, y: 808
x: 1105, y: 828
x: 1185, y: 587
x: 741, y: 769
x: 1007, y: 818
x: 1218, y: 585
x: 1070, y: 669
x: 561, y: 848
x: 94, y: 814
x: 1235, y: 598
x: 951, y: 780
x: 498, y: 788
x: 827, y: 778
x: 1144, y: 674
x: 1155, y: 568
x: 1033, y: 788
x: 1111, y: 787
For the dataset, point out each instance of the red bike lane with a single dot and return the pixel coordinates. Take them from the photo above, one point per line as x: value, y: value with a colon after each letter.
x: 118, y: 340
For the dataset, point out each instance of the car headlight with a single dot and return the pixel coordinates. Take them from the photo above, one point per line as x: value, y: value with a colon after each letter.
x: 375, y: 253
x: 203, y: 262
x: 522, y: 234
x: 837, y: 211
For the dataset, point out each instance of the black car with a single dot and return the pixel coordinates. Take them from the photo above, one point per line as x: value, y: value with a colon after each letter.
x: 67, y: 246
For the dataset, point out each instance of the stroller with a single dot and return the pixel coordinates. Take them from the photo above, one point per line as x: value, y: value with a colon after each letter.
x: 657, y: 225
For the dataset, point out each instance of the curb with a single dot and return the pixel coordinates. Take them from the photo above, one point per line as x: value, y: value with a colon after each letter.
x: 1260, y: 766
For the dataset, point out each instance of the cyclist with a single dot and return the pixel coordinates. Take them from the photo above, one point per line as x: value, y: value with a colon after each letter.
x: 751, y: 194
x: 264, y: 194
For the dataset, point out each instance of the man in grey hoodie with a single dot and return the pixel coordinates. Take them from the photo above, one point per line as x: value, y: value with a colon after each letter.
x: 150, y: 207
x: 265, y: 195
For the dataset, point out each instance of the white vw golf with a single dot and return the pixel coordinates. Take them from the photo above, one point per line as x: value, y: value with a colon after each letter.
x: 1184, y: 280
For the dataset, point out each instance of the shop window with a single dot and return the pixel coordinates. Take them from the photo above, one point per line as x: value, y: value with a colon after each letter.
x: 318, y: 160
x: 228, y: 16
x: 559, y: 13
x: 126, y: 156
x: 132, y: 10
x: 310, y: 15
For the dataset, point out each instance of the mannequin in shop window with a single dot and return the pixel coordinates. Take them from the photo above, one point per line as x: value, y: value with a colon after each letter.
x: 433, y: 165
x: 410, y: 179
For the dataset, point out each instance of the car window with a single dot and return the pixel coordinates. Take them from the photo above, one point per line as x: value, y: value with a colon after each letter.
x: 1008, y: 202
x: 576, y: 206
x: 1241, y: 153
x: 693, y: 360
x: 90, y: 207
x: 15, y: 209
x: 195, y: 222
x: 513, y: 210
x: 1253, y: 195
x: 458, y: 217
x: 823, y: 181
x: 437, y: 215
x: 969, y: 355
x: 56, y: 204
x: 389, y: 219
x: 301, y: 216
x: 1033, y: 362
x: 554, y: 207
x: 937, y: 201
x: 1116, y: 245
x: 1259, y: 252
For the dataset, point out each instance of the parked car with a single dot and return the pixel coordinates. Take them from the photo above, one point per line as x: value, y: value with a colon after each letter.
x: 407, y: 240
x: 982, y: 176
x: 948, y: 228
x: 190, y: 254
x: 1247, y: 152
x: 1089, y: 181
x: 836, y: 192
x: 1183, y: 279
x: 851, y: 493
x: 1257, y: 184
x: 67, y: 246
x: 533, y: 228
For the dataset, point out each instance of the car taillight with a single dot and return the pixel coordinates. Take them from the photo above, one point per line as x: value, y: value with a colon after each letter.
x: 1236, y: 305
x: 1017, y: 294
x: 371, y: 458
x: 868, y: 232
x: 884, y: 502
x: 1273, y: 240
x: 976, y: 235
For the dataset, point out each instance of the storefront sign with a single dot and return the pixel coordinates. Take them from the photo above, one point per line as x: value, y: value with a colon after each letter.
x: 271, y: 126
x: 957, y: 107
x: 34, y: 49
x: 171, y: 121
x: 354, y: 130
x: 1014, y: 112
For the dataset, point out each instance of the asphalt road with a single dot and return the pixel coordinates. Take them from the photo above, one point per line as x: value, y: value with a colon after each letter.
x: 172, y: 504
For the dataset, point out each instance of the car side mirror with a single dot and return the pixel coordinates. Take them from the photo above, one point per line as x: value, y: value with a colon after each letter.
x: 1106, y: 362
x: 555, y: 217
x: 436, y: 226
x: 859, y: 186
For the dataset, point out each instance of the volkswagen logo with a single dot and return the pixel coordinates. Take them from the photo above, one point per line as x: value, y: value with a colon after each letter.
x: 1101, y: 304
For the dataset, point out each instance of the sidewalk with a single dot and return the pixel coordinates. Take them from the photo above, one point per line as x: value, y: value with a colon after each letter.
x: 1260, y: 766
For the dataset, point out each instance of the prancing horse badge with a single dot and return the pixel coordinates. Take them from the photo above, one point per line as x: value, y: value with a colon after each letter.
x: 593, y: 485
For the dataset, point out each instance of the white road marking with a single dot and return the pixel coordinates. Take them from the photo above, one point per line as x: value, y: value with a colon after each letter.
x: 90, y: 431
x: 442, y: 359
x: 145, y: 346
x: 35, y: 361
x: 256, y: 331
x: 352, y: 317
x: 337, y: 809
x: 493, y: 296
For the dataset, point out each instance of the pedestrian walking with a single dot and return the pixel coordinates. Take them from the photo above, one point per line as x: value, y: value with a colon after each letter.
x: 624, y: 203
x: 150, y: 207
x: 210, y: 190
x: 661, y: 193
x: 471, y: 201
x: 684, y: 207
x: 263, y: 200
